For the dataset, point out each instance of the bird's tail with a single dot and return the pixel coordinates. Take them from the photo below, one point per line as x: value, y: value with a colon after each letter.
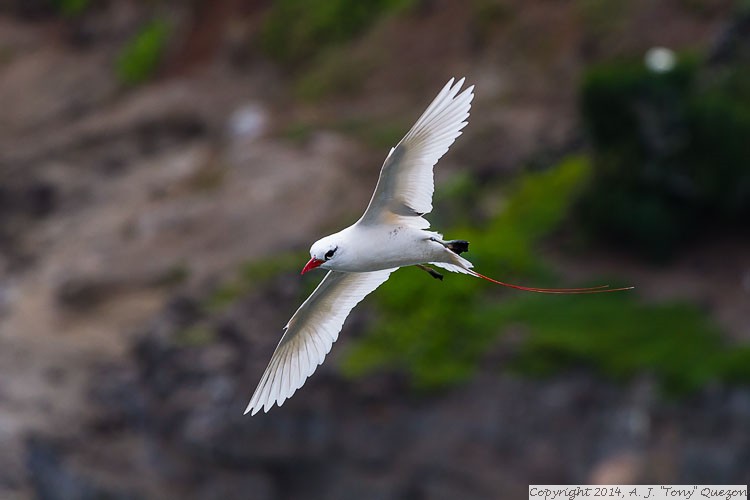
x: 593, y: 289
x: 461, y: 265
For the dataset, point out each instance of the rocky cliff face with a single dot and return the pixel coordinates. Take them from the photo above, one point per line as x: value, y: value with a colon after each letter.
x: 122, y: 209
x: 179, y: 400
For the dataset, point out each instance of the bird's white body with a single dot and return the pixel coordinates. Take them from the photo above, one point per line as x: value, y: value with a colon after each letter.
x: 399, y: 245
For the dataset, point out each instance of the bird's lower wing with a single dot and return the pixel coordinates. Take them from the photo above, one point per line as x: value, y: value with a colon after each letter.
x: 405, y: 185
x: 310, y: 334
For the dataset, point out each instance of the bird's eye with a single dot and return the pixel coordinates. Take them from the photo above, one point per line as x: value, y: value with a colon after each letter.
x: 330, y: 253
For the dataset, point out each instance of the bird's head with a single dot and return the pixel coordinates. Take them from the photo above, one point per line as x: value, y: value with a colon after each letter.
x: 322, y: 252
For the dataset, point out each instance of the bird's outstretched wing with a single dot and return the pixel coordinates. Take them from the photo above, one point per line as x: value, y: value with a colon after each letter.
x: 310, y: 334
x: 406, y: 182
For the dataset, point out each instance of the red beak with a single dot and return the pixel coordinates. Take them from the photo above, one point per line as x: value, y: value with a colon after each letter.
x: 311, y: 265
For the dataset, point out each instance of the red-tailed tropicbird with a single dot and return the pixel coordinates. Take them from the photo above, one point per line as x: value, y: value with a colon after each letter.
x: 392, y: 233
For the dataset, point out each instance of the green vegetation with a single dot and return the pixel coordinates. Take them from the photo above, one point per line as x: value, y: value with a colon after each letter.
x: 174, y: 275
x: 251, y: 275
x: 620, y: 337
x: 71, y: 8
x: 671, y: 153
x: 298, y: 132
x: 491, y: 11
x: 376, y: 134
x: 439, y: 332
x: 338, y: 72
x: 140, y: 58
x: 296, y: 30
x: 602, y: 17
x: 195, y: 336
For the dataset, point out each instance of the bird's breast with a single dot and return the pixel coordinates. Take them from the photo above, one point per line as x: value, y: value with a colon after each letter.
x: 373, y: 249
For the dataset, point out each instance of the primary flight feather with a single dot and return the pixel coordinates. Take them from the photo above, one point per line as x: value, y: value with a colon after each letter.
x: 392, y: 233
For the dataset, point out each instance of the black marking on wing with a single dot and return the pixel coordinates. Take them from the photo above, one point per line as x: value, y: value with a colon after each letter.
x: 457, y: 246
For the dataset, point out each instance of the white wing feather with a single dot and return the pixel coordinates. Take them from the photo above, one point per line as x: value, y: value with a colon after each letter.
x: 406, y: 184
x: 310, y: 334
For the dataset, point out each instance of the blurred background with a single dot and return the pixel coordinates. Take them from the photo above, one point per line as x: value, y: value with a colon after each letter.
x: 165, y: 166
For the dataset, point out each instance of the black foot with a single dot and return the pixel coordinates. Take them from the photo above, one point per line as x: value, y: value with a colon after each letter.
x: 457, y: 246
x: 431, y: 272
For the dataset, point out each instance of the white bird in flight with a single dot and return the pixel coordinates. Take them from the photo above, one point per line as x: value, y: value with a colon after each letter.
x: 392, y: 233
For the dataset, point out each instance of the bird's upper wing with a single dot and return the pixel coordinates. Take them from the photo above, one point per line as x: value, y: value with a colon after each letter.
x: 310, y: 334
x: 406, y: 182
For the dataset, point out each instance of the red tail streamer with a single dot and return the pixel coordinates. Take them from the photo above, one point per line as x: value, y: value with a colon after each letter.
x: 594, y: 289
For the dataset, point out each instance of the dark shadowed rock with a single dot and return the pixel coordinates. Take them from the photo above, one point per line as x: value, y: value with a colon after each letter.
x: 31, y: 198
x: 53, y: 479
x: 347, y: 482
x: 82, y: 292
x: 376, y: 439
